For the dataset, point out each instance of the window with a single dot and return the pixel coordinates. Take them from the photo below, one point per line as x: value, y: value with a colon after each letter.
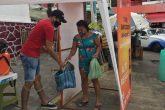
x: 143, y: 33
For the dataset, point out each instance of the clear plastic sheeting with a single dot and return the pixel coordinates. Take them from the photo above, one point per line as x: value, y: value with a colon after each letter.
x: 137, y: 21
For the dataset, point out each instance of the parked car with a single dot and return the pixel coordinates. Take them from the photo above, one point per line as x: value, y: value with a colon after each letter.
x: 161, y: 31
x: 151, y: 40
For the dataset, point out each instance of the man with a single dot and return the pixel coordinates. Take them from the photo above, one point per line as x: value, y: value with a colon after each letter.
x: 40, y: 38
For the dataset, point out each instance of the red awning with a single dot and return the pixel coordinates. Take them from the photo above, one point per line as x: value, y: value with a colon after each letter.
x: 156, y: 17
x: 152, y: 8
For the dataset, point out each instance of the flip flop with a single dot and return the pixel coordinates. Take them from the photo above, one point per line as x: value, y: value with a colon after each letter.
x: 82, y: 104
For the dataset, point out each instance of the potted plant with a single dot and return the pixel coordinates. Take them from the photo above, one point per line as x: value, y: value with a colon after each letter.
x: 97, y: 27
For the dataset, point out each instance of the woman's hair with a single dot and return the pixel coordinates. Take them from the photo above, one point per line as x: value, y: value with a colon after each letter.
x: 83, y: 23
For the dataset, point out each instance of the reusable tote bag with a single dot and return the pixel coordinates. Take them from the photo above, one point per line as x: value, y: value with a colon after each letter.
x: 66, y: 78
x: 95, y: 70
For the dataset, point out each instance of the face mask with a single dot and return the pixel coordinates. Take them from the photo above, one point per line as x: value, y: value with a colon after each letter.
x: 81, y: 33
x: 56, y: 24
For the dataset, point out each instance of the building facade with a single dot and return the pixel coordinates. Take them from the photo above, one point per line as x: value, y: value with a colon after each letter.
x: 154, y: 11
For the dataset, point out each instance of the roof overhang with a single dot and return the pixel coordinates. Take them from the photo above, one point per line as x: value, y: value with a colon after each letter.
x: 12, y: 2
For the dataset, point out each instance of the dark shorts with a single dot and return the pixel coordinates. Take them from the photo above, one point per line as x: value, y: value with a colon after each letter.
x: 31, y: 67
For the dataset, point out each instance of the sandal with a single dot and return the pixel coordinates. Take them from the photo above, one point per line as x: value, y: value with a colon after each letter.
x: 82, y: 104
x: 97, y: 107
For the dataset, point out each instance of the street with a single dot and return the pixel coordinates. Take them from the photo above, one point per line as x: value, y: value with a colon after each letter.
x: 148, y: 91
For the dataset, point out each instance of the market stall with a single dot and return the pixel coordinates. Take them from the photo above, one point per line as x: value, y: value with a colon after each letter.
x: 102, y: 4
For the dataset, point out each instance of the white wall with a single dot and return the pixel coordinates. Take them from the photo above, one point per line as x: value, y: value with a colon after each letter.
x: 15, y: 13
x: 73, y: 12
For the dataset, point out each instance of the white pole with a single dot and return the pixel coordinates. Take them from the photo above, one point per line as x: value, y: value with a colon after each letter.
x: 110, y: 3
x: 93, y: 16
x: 103, y: 7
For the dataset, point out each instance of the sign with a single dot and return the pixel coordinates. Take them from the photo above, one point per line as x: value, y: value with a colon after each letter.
x: 102, y: 4
x: 124, y: 50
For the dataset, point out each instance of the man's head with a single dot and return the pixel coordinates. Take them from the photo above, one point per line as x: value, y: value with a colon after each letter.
x: 57, y: 16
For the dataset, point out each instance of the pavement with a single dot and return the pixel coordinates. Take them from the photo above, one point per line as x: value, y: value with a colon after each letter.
x: 47, y: 64
x: 148, y: 92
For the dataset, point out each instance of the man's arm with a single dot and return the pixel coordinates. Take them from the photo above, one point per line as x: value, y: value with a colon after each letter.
x: 43, y: 50
x: 49, y: 45
x: 50, y: 50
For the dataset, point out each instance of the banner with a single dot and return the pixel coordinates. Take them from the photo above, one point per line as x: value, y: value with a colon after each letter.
x: 124, y: 49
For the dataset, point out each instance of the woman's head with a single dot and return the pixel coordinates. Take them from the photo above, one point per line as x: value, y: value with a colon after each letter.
x: 82, y: 27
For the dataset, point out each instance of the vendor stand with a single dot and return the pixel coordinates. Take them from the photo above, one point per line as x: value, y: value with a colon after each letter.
x: 6, y: 81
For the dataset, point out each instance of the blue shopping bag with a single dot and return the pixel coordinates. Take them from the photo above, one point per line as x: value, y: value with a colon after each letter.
x: 66, y: 78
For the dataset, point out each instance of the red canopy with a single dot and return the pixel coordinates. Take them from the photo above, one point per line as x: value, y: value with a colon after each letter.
x: 156, y: 17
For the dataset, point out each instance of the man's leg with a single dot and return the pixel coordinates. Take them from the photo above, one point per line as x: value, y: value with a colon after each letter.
x: 28, y: 77
x: 31, y: 67
x: 38, y: 87
x: 44, y: 100
x: 25, y: 94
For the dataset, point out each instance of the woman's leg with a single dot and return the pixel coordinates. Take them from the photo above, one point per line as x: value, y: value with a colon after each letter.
x: 96, y: 85
x: 84, y: 85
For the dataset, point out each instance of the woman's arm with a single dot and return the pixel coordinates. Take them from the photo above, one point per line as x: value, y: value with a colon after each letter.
x: 72, y: 51
x: 98, y: 47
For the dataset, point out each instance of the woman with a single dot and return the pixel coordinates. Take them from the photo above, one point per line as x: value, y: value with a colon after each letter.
x: 89, y: 47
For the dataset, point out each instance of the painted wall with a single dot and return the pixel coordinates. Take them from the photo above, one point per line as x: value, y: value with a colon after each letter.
x: 15, y: 13
x: 10, y: 32
x: 73, y: 12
